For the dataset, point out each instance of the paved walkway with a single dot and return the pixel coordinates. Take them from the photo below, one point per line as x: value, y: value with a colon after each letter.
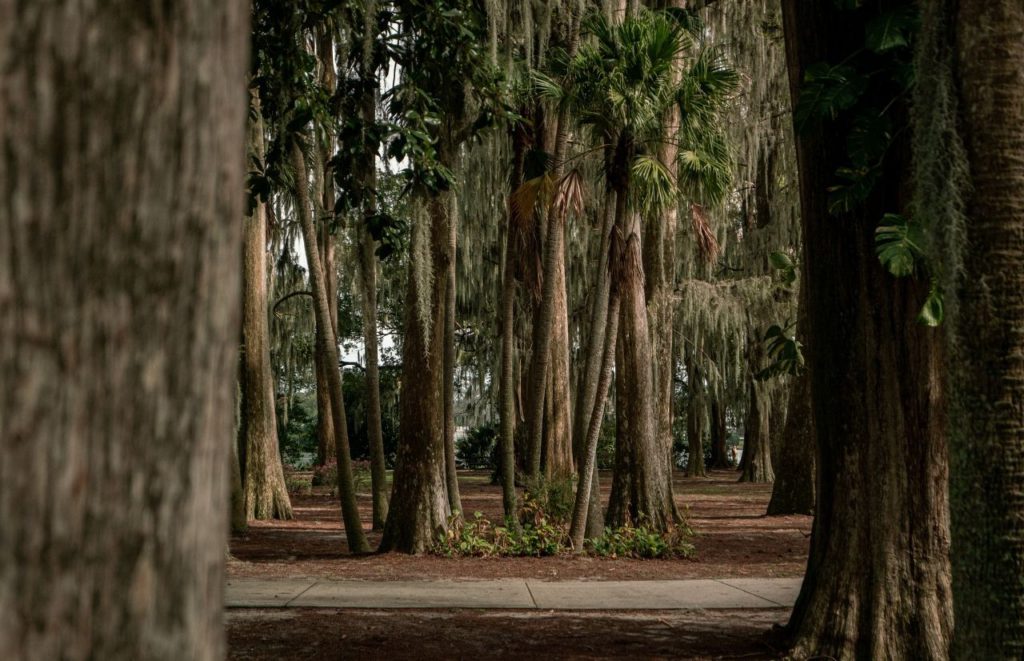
x: 515, y: 594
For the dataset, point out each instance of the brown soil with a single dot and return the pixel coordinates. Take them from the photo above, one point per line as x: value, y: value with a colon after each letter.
x: 455, y: 634
x: 734, y: 538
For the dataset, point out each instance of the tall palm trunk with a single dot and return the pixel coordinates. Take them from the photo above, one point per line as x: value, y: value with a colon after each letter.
x: 266, y: 496
x: 120, y: 243
x: 327, y: 343
x: 640, y: 491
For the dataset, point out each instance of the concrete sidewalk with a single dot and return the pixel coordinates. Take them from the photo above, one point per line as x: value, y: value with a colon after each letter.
x: 515, y: 594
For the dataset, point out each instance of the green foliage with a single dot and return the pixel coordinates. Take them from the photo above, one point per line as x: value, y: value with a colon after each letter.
x: 891, y: 29
x: 298, y: 485
x: 785, y: 265
x: 550, y: 498
x: 643, y: 542
x: 898, y: 245
x: 477, y: 448
x: 537, y: 536
x: 784, y: 351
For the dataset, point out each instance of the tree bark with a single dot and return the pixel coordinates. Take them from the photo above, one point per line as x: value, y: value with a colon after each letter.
x: 987, y: 337
x: 119, y: 324
x: 451, y: 474
x: 719, y: 433
x: 877, y: 582
x: 327, y: 343
x: 266, y: 496
x: 793, y: 492
x: 640, y: 491
x: 419, y: 499
x: 757, y: 450
x: 696, y: 421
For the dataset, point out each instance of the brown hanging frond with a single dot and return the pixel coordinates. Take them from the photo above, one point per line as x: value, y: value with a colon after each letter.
x: 525, y: 230
x: 707, y: 242
x: 570, y: 194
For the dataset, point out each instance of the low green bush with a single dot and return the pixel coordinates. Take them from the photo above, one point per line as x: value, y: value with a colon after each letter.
x: 298, y: 485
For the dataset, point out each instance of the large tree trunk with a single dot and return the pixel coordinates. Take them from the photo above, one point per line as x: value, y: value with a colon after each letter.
x: 119, y: 323
x: 266, y: 496
x: 419, y: 506
x: 640, y: 491
x: 877, y: 582
x: 987, y: 329
x: 793, y: 492
x: 558, y: 451
x: 328, y: 345
x: 374, y: 418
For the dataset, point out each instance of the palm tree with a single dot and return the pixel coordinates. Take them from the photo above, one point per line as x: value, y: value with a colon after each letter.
x: 622, y: 87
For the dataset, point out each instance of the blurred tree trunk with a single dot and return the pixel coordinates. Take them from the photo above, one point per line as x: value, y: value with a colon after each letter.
x: 448, y: 390
x: 719, y: 435
x: 120, y: 247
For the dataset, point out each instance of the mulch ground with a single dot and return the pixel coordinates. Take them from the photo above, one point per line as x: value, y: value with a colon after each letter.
x: 733, y: 538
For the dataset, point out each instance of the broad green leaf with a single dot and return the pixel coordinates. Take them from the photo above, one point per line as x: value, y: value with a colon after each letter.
x: 933, y: 311
x: 780, y: 261
x: 898, y: 245
x: 892, y: 29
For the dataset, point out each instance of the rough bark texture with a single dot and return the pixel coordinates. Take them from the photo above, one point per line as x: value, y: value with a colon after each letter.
x: 419, y: 506
x: 328, y: 345
x: 757, y: 449
x: 374, y: 419
x: 558, y: 454
x: 122, y: 135
x: 448, y: 390
x: 987, y: 420
x: 793, y: 492
x: 266, y: 496
x: 877, y: 582
x: 640, y: 489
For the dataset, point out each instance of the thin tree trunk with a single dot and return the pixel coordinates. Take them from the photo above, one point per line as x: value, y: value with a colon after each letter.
x: 878, y: 582
x: 588, y: 466
x: 696, y: 421
x: 987, y: 336
x: 554, y: 260
x: 266, y: 496
x: 757, y: 451
x: 719, y: 433
x: 451, y: 474
x: 120, y: 239
x: 328, y: 345
x: 558, y: 460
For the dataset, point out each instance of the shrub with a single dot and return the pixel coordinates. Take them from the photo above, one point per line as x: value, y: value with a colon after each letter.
x: 326, y: 475
x: 642, y: 542
x: 477, y: 448
x: 298, y: 485
x: 553, y: 498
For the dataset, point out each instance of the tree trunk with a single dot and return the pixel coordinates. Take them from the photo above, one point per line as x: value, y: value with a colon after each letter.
x: 640, y: 491
x: 793, y: 492
x: 987, y: 363
x: 757, y: 450
x: 266, y: 496
x: 419, y: 499
x: 451, y: 474
x: 719, y: 433
x: 327, y: 344
x: 696, y: 421
x: 558, y: 459
x: 877, y: 582
x: 119, y: 324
